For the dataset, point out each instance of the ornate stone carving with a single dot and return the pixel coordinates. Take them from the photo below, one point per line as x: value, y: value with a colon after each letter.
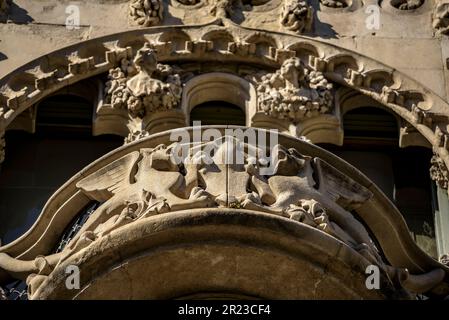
x: 146, y: 13
x: 407, y: 4
x: 440, y: 18
x: 294, y: 92
x: 334, y: 3
x: 297, y: 15
x: 196, y: 182
x: 143, y: 86
x: 439, y: 172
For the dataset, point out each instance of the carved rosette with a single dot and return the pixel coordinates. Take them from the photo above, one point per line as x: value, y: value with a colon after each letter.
x: 146, y: 13
x: 407, y: 4
x: 439, y: 172
x: 294, y: 92
x: 440, y: 18
x: 143, y: 86
x: 296, y: 15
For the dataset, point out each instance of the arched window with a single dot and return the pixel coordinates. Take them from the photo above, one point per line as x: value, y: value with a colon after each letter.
x: 36, y: 165
x: 217, y: 113
x: 371, y: 144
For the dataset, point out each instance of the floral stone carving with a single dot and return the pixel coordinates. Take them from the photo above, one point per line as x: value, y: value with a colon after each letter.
x: 296, y: 15
x: 143, y: 86
x: 146, y: 13
x: 439, y: 172
x: 294, y: 92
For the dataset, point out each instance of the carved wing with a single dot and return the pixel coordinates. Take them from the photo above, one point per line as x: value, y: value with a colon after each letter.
x: 343, y: 190
x: 111, y: 179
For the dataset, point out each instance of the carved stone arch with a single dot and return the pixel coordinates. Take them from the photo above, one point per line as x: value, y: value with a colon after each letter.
x: 412, y: 101
x: 222, y: 87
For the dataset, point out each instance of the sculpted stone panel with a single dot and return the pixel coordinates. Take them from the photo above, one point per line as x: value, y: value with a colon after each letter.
x: 146, y: 13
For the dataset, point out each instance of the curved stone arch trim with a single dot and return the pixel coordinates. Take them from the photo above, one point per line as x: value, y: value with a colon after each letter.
x: 219, y: 86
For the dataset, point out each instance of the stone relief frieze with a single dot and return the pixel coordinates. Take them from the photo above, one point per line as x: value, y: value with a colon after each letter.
x: 146, y: 13
x: 294, y: 92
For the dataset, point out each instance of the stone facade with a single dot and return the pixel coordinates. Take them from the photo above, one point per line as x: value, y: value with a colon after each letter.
x: 288, y: 68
